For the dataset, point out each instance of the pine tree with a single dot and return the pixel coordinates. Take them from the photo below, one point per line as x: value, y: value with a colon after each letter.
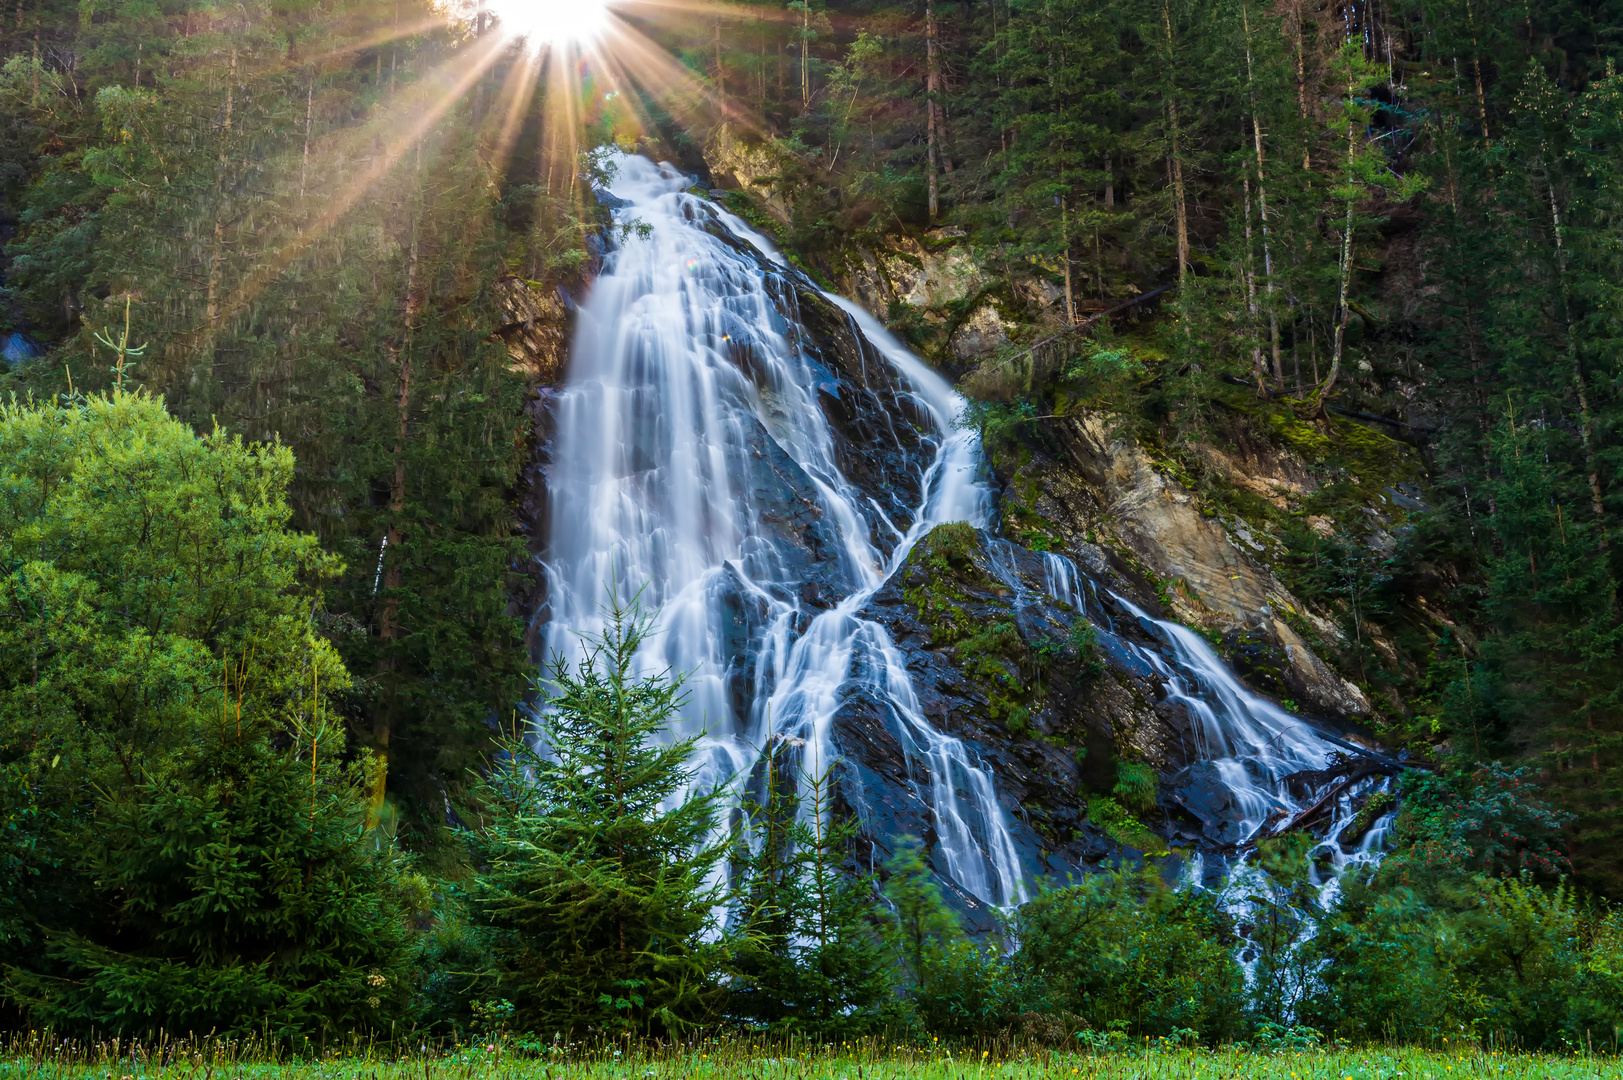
x: 808, y: 943
x: 597, y: 864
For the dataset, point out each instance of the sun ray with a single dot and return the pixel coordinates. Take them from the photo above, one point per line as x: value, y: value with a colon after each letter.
x: 477, y: 60
x: 518, y: 91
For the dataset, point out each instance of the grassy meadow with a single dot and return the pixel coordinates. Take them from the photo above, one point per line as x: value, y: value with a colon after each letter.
x: 43, y: 1058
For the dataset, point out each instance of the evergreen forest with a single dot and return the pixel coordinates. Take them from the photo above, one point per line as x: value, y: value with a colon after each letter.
x: 1319, y: 299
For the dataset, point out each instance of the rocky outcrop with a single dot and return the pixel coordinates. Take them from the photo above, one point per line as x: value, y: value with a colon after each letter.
x: 1048, y: 698
x: 1102, y: 483
x: 744, y: 161
x: 535, y: 329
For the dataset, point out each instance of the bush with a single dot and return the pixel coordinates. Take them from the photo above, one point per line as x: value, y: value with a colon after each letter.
x: 1488, y: 957
x: 954, y: 986
x: 1123, y: 947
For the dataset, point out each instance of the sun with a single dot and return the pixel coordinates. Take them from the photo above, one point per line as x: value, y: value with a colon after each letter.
x: 552, y: 22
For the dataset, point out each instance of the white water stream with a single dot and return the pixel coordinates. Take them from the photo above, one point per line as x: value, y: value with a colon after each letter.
x: 1249, y: 744
x: 686, y: 358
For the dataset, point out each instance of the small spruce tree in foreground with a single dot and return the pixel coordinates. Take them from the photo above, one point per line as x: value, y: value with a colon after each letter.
x: 809, y: 952
x: 595, y: 890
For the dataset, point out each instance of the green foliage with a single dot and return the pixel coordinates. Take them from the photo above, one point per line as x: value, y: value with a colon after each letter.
x: 809, y: 954
x: 1123, y: 946
x: 182, y: 816
x: 596, y: 858
x: 1480, y: 957
x: 1492, y: 821
x: 954, y: 986
x: 1135, y: 786
x: 1121, y: 826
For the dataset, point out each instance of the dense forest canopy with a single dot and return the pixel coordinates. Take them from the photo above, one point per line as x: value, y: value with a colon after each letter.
x: 1384, y: 235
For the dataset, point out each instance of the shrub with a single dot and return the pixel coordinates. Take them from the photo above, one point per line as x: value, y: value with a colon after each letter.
x: 1123, y: 947
x: 1490, y: 957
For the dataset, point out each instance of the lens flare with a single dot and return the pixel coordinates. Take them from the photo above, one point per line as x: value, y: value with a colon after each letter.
x: 552, y: 22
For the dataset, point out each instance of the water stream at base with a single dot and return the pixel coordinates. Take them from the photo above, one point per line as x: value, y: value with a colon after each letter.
x: 687, y: 359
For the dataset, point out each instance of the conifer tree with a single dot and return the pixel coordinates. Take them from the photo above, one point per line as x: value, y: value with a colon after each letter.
x: 808, y: 945
x: 597, y: 863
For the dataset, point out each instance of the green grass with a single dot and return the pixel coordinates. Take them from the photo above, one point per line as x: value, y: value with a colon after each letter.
x: 733, y: 1059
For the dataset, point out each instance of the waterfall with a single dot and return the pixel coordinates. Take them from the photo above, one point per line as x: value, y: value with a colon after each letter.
x: 705, y: 455
x: 690, y: 428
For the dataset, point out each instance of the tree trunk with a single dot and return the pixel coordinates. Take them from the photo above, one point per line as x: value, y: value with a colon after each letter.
x: 805, y: 58
x: 1065, y: 239
x: 1262, y: 205
x: 1346, y: 273
x: 389, y: 627
x: 721, y: 75
x: 1251, y: 296
x: 1476, y: 64
x: 217, y: 253
x: 1341, y: 320
x: 1301, y: 82
x: 1110, y: 183
x: 1180, y: 212
x: 309, y: 118
x: 930, y: 106
x: 479, y: 22
x: 1586, y: 428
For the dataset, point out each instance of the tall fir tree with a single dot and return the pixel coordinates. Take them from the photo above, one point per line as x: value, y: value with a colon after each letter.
x: 599, y: 868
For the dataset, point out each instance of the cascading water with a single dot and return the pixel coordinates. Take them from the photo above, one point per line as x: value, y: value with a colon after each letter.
x: 1247, y: 748
x: 690, y: 426
x: 694, y: 461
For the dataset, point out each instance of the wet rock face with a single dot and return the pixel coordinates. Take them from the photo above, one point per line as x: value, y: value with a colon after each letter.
x: 999, y: 664
x: 879, y: 431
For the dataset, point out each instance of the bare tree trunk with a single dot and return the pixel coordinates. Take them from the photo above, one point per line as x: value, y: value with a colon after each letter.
x: 217, y: 254
x: 309, y: 118
x: 1476, y: 64
x: 394, y: 50
x: 721, y: 75
x: 1301, y: 81
x: 1586, y: 428
x: 1180, y: 211
x: 1065, y: 239
x: 930, y: 105
x: 805, y: 57
x: 389, y: 627
x: 1346, y: 272
x: 1262, y: 204
x: 1341, y: 320
x: 1110, y: 183
x: 1251, y: 295
x: 479, y: 23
